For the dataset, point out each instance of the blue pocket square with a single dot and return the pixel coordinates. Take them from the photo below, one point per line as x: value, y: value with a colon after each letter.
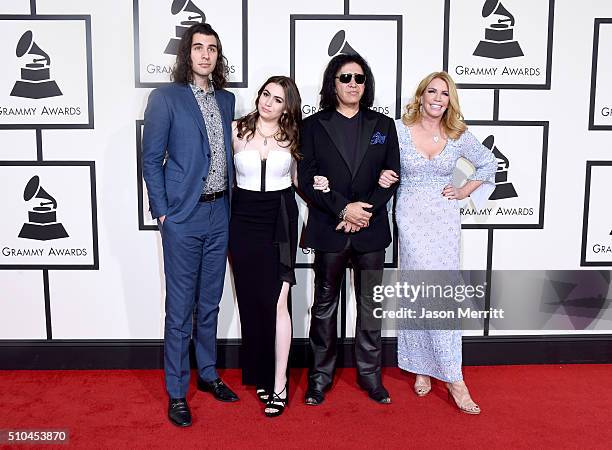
x: 378, y: 138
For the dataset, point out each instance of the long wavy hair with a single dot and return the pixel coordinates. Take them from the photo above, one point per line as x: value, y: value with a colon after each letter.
x: 452, y: 119
x: 329, y: 99
x: 182, y: 71
x: 288, y: 123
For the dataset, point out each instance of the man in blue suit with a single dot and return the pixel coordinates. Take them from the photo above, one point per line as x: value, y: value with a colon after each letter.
x: 187, y: 165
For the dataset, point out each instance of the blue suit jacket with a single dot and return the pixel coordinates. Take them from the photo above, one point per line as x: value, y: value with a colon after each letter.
x: 176, y: 151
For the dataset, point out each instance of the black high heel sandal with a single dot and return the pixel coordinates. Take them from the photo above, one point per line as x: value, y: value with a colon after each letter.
x: 262, y: 394
x: 276, y: 405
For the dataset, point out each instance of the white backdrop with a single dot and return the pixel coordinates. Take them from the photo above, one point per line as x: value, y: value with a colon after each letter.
x: 553, y: 126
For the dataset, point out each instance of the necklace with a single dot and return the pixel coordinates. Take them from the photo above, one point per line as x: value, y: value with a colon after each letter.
x: 435, y: 137
x: 266, y: 137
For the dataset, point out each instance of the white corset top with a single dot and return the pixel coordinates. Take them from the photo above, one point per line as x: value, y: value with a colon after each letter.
x: 272, y: 174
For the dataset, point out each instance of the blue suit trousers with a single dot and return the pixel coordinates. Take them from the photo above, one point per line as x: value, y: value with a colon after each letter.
x: 195, y: 253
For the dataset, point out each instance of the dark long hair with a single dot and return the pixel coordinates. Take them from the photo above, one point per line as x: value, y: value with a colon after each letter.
x: 182, y: 71
x: 328, y: 89
x: 288, y: 123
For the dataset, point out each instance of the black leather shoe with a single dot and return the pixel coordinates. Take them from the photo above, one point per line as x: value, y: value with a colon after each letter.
x: 218, y: 389
x: 313, y: 396
x: 178, y: 412
x: 379, y: 395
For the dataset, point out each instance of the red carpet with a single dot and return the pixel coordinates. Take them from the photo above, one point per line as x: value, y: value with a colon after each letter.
x: 523, y: 407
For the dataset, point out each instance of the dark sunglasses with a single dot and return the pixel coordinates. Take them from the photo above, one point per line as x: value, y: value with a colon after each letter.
x: 345, y: 78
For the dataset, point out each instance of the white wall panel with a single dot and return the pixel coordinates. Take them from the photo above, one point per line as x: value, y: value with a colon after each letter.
x: 123, y: 296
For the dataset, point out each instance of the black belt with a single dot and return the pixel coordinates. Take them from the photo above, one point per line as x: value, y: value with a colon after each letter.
x: 212, y: 196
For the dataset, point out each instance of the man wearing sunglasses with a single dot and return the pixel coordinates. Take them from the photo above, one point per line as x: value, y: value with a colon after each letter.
x: 349, y: 144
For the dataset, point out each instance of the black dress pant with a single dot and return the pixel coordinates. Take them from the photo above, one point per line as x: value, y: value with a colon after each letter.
x: 329, y: 270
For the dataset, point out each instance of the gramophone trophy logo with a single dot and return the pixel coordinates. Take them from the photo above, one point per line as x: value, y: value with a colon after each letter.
x: 159, y: 26
x: 50, y: 215
x: 596, y: 232
x: 314, y: 39
x: 46, y: 81
x: 499, y: 44
x: 338, y: 45
x: 36, y: 79
x: 193, y: 15
x: 42, y: 222
x: 503, y: 188
x: 515, y: 197
x: 499, y: 40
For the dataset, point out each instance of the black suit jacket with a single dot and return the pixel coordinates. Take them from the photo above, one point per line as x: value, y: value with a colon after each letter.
x: 322, y: 153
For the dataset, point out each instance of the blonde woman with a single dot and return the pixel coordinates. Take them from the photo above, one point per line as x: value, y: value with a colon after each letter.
x: 432, y: 137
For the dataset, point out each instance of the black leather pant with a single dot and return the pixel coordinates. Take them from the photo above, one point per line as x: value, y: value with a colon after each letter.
x: 329, y: 270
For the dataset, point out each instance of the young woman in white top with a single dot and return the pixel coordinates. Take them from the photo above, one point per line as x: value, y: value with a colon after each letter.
x: 263, y: 236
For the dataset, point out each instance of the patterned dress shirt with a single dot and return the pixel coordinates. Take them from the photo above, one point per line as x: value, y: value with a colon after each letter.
x: 217, y: 173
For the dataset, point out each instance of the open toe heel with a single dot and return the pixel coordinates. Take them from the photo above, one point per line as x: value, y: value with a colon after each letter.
x: 262, y: 395
x: 422, y: 386
x: 463, y: 400
x: 276, y: 405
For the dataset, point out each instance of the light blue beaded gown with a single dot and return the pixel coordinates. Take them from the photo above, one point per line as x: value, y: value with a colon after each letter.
x: 429, y: 227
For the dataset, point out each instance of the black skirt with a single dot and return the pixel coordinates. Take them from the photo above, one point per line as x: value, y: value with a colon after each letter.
x: 262, y: 245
